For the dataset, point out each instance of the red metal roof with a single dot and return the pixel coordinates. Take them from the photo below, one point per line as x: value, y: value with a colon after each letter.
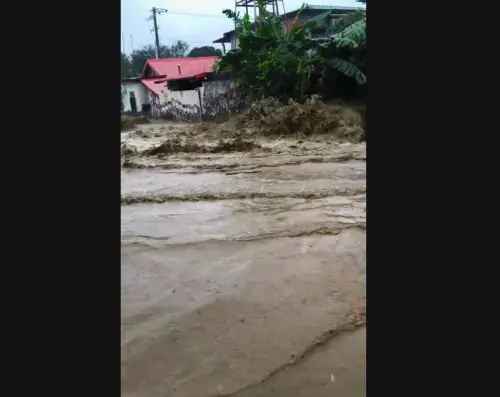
x: 175, y: 68
x: 156, y: 88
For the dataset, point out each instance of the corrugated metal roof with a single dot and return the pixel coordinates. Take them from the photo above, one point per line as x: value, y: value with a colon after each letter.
x: 332, y: 8
x: 170, y: 67
x: 188, y: 66
x: 156, y: 88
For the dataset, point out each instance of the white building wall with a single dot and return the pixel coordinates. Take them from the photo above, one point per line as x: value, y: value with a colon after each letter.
x: 177, y: 104
x: 164, y: 95
x: 189, y: 97
x: 140, y: 92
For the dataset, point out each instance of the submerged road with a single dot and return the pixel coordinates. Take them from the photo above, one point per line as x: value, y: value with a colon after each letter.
x: 247, y: 280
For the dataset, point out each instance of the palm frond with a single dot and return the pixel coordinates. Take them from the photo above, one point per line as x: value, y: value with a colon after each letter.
x: 352, y: 36
x: 347, y: 68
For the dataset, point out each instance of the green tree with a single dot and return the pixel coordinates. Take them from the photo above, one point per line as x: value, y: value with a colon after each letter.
x: 269, y: 62
x: 205, y: 51
x: 126, y: 66
x: 342, y: 23
x: 288, y: 65
x: 140, y: 56
x: 177, y: 50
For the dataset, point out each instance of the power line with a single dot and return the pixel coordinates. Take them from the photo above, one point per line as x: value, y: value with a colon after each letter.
x: 180, y: 39
x: 156, y: 11
x: 187, y: 41
x: 192, y: 14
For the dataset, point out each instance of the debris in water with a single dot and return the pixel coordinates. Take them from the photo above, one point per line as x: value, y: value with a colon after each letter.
x: 272, y: 117
x: 128, y: 150
x: 192, y: 145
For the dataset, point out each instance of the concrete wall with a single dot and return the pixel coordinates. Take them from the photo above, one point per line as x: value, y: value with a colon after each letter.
x: 177, y: 105
x: 141, y: 95
x: 188, y: 98
x: 220, y: 99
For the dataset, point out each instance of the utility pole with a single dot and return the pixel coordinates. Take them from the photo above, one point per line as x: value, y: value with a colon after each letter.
x: 156, y: 11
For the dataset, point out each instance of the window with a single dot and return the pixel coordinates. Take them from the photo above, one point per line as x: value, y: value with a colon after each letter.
x: 132, y: 94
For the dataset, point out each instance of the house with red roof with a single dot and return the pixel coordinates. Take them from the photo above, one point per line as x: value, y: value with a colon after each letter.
x: 156, y: 73
x: 324, y: 16
x: 153, y: 92
x: 135, y: 96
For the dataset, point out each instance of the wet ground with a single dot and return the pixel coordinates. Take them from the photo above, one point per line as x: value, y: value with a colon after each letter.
x: 243, y: 273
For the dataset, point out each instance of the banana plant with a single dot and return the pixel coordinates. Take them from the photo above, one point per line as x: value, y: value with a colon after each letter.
x: 272, y: 62
x: 345, y: 52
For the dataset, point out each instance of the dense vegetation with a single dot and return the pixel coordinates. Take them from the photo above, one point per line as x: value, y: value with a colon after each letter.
x: 205, y: 51
x: 290, y: 65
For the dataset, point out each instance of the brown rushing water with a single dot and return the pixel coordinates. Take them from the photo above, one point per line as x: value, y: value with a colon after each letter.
x: 244, y: 283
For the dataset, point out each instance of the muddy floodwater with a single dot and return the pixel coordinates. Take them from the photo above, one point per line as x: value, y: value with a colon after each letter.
x: 243, y: 273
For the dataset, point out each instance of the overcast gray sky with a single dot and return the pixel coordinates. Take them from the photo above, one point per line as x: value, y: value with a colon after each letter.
x: 196, y: 30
